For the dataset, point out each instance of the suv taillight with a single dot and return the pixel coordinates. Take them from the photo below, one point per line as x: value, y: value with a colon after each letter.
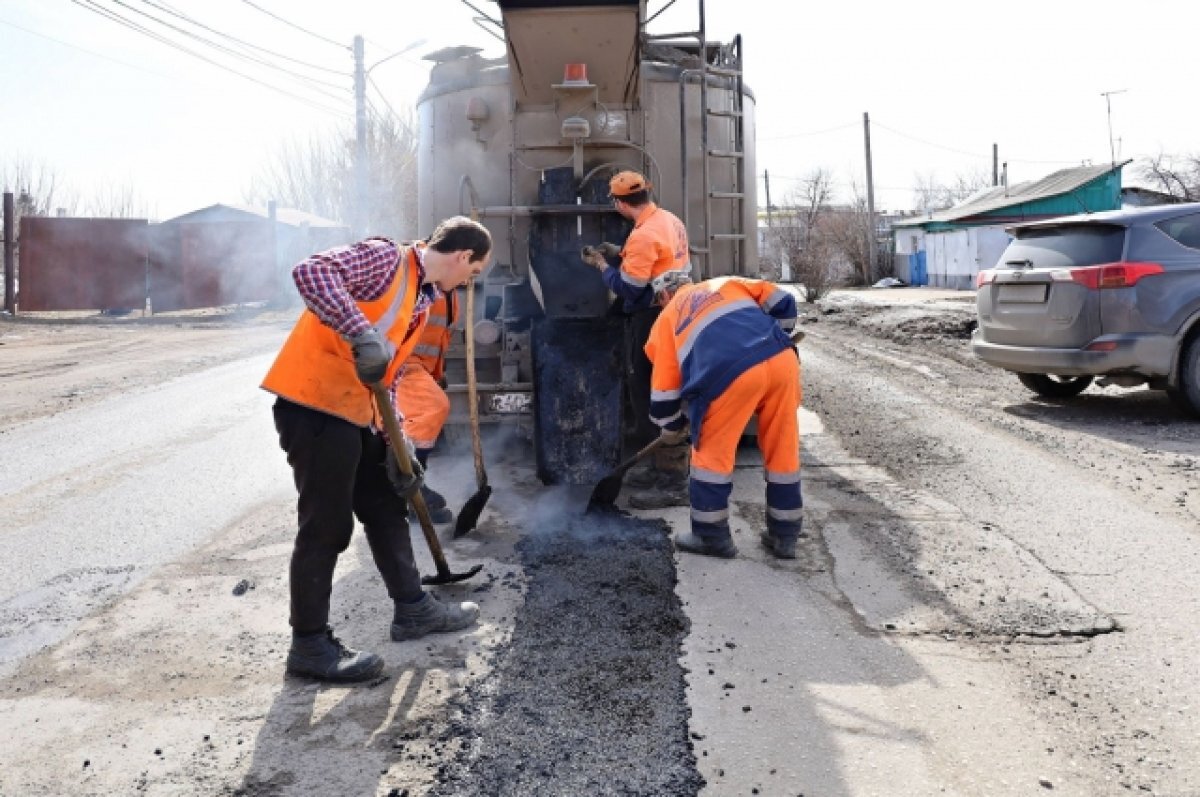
x: 1109, y: 275
x: 984, y: 277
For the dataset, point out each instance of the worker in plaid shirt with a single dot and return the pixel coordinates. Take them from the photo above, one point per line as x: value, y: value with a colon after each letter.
x: 365, y: 305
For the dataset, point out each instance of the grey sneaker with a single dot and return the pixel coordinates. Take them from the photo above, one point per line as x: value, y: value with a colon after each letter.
x: 690, y: 542
x: 641, y: 476
x: 781, y: 548
x: 431, y: 616
x: 660, y: 498
x: 324, y: 657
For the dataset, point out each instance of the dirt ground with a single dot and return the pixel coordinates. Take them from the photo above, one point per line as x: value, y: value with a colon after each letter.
x: 910, y: 415
x: 50, y: 362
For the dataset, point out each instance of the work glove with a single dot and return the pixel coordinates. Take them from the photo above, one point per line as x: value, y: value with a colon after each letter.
x: 371, y: 356
x: 405, y: 486
x: 593, y: 258
x: 609, y: 250
x: 674, y: 437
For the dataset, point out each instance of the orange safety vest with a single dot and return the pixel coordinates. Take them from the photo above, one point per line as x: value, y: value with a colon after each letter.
x: 430, y: 351
x: 315, y: 367
x: 657, y: 244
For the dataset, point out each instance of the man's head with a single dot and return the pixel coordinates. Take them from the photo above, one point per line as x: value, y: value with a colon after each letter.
x: 630, y: 192
x: 457, y: 250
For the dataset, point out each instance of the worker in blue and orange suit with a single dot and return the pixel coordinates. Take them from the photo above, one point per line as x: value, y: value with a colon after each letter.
x: 420, y: 397
x: 724, y: 347
x: 656, y: 248
x: 365, y: 305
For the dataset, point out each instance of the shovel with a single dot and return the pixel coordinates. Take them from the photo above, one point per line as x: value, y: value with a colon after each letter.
x: 396, y: 436
x: 468, y: 516
x: 605, y: 493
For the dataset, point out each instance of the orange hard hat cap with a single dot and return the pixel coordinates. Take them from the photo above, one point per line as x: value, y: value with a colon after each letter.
x: 626, y: 183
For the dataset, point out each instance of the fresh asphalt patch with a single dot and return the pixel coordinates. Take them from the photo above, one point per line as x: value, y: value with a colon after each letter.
x: 588, y: 695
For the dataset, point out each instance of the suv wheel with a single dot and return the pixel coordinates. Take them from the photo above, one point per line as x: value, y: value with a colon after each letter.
x: 1186, y: 394
x: 1051, y: 386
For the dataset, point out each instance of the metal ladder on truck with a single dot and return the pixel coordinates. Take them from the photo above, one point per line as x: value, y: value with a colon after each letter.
x: 723, y: 62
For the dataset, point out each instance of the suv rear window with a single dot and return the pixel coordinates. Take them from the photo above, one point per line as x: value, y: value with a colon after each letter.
x: 1185, y: 229
x: 1065, y: 247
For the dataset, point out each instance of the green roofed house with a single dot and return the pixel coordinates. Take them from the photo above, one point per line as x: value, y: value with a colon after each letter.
x: 947, y: 248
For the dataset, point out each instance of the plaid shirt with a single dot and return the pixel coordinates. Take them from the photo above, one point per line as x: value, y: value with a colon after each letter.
x: 332, y: 282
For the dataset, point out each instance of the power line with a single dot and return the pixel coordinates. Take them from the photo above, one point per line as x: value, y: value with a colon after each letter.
x: 810, y: 133
x: 294, y: 25
x: 197, y: 23
x: 229, y: 51
x: 930, y: 143
x: 90, y: 5
x: 89, y: 52
x: 968, y: 153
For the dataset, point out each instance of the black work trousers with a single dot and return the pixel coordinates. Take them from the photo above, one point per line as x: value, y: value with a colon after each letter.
x: 637, y: 372
x: 339, y: 472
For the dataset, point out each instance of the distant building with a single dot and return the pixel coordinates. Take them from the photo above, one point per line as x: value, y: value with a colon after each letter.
x: 297, y: 232
x: 1137, y: 197
x: 947, y: 248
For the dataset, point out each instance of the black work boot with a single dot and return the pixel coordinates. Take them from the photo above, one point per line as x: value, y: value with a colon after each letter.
x: 438, y: 516
x: 782, y: 548
x: 433, y: 499
x: 431, y: 616
x: 693, y: 543
x: 324, y: 657
x: 435, y: 502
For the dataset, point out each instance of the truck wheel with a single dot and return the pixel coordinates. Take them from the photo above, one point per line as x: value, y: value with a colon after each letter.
x: 1058, y: 387
x: 1186, y: 394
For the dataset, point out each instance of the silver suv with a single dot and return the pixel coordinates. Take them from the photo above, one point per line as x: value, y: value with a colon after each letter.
x: 1114, y: 295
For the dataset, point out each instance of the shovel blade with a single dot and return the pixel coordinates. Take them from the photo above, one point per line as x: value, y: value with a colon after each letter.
x: 605, y: 493
x: 469, y: 516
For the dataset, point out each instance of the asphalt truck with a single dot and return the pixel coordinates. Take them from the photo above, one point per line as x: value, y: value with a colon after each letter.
x: 526, y: 144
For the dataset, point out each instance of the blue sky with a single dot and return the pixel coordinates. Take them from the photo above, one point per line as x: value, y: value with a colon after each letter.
x: 102, y: 105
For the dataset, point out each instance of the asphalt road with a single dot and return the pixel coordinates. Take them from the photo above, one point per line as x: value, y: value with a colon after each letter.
x: 996, y: 596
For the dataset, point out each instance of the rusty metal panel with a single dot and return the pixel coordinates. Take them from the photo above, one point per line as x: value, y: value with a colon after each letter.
x: 227, y: 263
x: 82, y: 264
x: 164, y: 276
x: 209, y: 264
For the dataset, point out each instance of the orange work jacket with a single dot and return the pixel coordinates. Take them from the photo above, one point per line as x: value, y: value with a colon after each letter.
x: 430, y: 351
x: 657, y: 244
x: 315, y: 367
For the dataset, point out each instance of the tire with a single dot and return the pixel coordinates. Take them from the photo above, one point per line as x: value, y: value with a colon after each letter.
x: 1055, y: 387
x: 1186, y: 394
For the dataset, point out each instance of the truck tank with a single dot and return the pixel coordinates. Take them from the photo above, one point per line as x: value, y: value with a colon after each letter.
x: 526, y: 143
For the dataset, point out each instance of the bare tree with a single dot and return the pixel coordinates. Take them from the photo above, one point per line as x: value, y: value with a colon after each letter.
x: 118, y: 201
x: 929, y: 193
x: 36, y: 188
x: 798, y: 240
x: 1177, y: 175
x: 317, y: 176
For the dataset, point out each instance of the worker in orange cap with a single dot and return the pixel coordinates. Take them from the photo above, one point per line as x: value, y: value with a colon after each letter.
x: 656, y: 248
x: 724, y: 347
x: 420, y: 397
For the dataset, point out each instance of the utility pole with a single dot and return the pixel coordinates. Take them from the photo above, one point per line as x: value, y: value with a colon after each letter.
x: 995, y: 165
x: 360, y: 141
x: 1107, y: 95
x: 871, y: 244
x: 768, y: 238
x: 10, y: 278
x: 767, y: 183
